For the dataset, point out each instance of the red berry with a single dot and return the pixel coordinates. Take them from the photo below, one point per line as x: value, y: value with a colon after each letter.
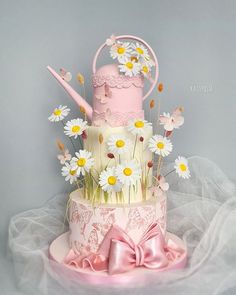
x: 150, y: 164
x: 110, y: 155
x: 84, y: 135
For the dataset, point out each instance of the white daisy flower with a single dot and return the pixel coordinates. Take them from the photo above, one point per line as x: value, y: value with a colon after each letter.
x: 109, y: 181
x: 82, y: 162
x: 181, y: 167
x: 140, y: 51
x: 146, y: 67
x: 130, y: 68
x: 160, y: 145
x: 75, y: 127
x: 138, y: 126
x: 69, y: 173
x: 59, y: 113
x: 118, y: 144
x: 128, y: 173
x: 121, y: 51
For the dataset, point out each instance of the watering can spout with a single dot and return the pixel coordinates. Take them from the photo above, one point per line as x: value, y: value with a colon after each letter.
x: 77, y: 98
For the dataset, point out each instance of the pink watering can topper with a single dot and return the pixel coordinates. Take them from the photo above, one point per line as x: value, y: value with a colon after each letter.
x: 117, y: 97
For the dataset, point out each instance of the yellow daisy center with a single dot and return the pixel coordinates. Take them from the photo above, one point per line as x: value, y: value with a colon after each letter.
x: 120, y: 50
x: 76, y: 129
x: 183, y: 167
x: 139, y: 124
x: 160, y: 145
x: 139, y: 50
x: 145, y: 69
x: 120, y: 143
x: 129, y: 65
x: 57, y: 112
x: 72, y: 172
x: 81, y: 162
x: 111, y: 180
x: 127, y: 171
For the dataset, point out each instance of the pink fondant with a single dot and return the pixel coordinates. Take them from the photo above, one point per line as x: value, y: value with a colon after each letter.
x: 112, y: 90
x: 115, y: 119
x: 118, y: 253
x: 123, y: 99
x: 89, y: 224
x: 139, y: 276
x: 81, y: 102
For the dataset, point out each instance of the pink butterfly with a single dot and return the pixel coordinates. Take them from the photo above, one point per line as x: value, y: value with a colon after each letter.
x: 102, y: 118
x: 67, y: 76
x: 160, y: 188
x: 135, y: 219
x: 173, y: 121
x: 103, y: 228
x: 111, y: 41
x: 107, y: 94
x: 106, y: 211
x: 81, y: 218
x: 64, y: 157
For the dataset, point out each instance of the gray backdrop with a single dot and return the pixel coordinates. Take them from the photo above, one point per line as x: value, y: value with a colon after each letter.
x: 195, y: 45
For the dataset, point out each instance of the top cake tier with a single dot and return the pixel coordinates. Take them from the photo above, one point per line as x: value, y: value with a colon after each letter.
x: 118, y: 87
x: 117, y: 98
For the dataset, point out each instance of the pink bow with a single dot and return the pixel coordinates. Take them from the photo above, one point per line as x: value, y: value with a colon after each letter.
x: 118, y: 253
x: 124, y: 255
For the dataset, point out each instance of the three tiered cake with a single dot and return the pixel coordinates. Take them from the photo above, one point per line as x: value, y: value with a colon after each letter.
x: 117, y: 214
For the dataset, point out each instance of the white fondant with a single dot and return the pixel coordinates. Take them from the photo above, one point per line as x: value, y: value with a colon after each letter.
x: 100, y: 150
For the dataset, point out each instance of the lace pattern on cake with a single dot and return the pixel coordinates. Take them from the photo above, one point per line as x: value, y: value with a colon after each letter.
x: 90, y: 225
x: 121, y: 81
x: 83, y: 218
x: 140, y: 218
x: 115, y: 119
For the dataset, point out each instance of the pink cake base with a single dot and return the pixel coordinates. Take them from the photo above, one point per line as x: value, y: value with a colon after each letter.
x: 139, y: 276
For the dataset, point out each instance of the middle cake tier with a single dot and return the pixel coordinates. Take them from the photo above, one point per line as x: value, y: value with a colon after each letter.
x: 105, y: 144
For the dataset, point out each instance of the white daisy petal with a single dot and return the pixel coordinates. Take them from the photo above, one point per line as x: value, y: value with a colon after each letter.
x: 130, y: 68
x: 181, y: 167
x: 121, y: 51
x: 109, y: 181
x: 138, y: 126
x: 59, y: 114
x: 118, y: 144
x: 75, y: 127
x: 69, y: 173
x: 82, y: 162
x: 128, y: 173
x: 160, y: 145
x: 140, y: 51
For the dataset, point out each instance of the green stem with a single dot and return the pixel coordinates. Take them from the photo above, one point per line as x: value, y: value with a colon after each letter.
x: 81, y: 142
x: 63, y: 123
x: 136, y: 138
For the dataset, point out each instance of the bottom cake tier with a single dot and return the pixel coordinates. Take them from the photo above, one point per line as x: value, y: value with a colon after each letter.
x: 90, y: 223
x: 117, y: 239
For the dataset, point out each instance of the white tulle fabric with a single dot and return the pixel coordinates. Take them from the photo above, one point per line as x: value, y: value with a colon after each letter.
x: 201, y: 210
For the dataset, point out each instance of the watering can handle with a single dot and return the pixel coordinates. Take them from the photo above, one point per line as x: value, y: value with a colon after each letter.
x: 153, y: 81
